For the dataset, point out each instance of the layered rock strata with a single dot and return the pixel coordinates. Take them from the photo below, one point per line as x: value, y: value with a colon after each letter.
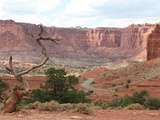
x: 81, y: 44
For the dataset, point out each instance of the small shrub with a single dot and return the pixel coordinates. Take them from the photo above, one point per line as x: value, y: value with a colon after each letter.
x: 116, y: 89
x: 66, y: 97
x: 23, y: 104
x: 127, y: 84
x: 140, y: 97
x: 152, y: 103
x: 41, y: 96
x: 59, y: 87
x: 138, y: 101
x: 73, y: 97
x: 3, y: 86
x: 128, y: 81
x: 113, y: 85
x: 57, y: 81
x: 123, y: 102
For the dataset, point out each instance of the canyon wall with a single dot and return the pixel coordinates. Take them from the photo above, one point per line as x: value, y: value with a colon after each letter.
x: 18, y: 39
x: 153, y: 45
x: 102, y: 37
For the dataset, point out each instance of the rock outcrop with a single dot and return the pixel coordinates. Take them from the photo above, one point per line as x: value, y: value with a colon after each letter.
x: 81, y: 44
x: 153, y: 44
x: 102, y: 37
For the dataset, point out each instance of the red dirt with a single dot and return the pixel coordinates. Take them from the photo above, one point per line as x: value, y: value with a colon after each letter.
x: 101, y: 92
x: 152, y: 86
x: 95, y: 73
x: 97, y: 115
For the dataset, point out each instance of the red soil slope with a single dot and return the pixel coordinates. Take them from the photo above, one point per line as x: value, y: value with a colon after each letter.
x: 95, y: 73
x: 142, y: 77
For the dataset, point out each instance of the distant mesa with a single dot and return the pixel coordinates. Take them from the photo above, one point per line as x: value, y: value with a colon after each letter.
x: 84, y: 46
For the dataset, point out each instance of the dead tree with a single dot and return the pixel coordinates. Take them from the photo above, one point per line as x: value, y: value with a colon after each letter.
x: 20, y: 90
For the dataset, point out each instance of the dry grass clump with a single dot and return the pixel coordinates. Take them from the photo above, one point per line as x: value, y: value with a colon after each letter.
x: 47, y: 106
x: 135, y: 106
x: 55, y: 106
x: 83, y: 109
x: 50, y: 106
x: 66, y: 107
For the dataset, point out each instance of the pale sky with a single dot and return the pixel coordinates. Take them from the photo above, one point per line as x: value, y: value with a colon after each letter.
x: 85, y: 13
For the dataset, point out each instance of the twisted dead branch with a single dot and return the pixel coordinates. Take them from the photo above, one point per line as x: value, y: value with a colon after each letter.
x: 19, y: 90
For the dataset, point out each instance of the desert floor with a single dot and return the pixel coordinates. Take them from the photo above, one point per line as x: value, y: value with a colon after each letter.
x: 97, y: 115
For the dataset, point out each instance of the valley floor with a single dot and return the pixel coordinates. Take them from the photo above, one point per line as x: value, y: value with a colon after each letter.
x: 97, y: 115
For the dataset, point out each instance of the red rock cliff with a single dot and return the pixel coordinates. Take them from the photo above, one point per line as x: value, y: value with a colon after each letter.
x: 153, y: 45
x: 113, y: 43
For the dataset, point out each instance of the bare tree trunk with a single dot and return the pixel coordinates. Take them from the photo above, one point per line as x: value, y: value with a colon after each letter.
x: 10, y: 104
x: 20, y: 90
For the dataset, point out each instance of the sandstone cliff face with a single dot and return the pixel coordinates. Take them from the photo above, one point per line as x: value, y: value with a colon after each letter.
x: 153, y: 45
x: 18, y: 39
x: 11, y: 36
x: 103, y: 37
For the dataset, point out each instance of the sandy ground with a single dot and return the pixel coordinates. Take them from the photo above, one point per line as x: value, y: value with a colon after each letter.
x: 97, y: 115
